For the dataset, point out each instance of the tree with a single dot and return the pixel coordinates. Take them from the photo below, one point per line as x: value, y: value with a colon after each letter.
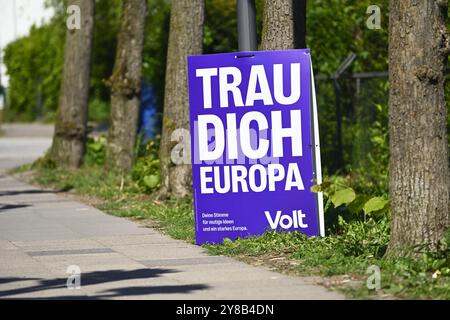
x: 419, y: 168
x: 125, y: 84
x: 70, y: 128
x: 34, y: 65
x: 283, y: 25
x: 185, y: 38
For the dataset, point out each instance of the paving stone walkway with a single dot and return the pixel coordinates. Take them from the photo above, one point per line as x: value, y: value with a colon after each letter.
x: 42, y: 234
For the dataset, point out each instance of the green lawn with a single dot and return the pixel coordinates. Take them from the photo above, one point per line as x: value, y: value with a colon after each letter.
x: 340, y: 259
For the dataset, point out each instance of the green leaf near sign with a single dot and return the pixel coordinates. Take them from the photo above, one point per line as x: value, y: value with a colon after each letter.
x: 375, y: 204
x: 344, y: 196
x: 356, y: 206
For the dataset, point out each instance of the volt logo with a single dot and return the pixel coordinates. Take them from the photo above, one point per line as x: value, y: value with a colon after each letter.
x: 286, y: 221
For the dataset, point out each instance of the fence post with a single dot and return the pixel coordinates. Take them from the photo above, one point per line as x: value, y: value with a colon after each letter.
x: 246, y: 18
x: 337, y: 90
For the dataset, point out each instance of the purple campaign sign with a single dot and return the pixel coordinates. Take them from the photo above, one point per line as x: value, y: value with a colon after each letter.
x: 252, y: 144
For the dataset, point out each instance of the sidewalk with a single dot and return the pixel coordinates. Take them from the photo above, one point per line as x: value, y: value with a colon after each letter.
x: 43, y: 233
x: 21, y: 143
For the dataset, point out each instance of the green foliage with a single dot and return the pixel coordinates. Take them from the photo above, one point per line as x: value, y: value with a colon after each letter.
x: 328, y: 50
x: 343, y: 196
x: 220, y: 28
x: 371, y: 152
x: 155, y: 47
x: 343, y: 204
x: 352, y: 251
x: 375, y: 204
x: 425, y: 277
x: 146, y: 170
x: 348, y: 19
x: 45, y: 163
x: 95, y: 151
x: 35, y: 62
x: 107, y: 23
x: 34, y: 66
x: 145, y: 173
x: 360, y: 245
x: 98, y: 110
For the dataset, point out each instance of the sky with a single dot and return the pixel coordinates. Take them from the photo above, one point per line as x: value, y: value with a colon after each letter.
x: 16, y: 19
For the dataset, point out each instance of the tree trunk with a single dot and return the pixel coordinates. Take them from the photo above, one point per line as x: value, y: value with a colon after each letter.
x: 278, y: 25
x: 419, y: 168
x: 70, y: 128
x: 185, y: 38
x: 125, y: 84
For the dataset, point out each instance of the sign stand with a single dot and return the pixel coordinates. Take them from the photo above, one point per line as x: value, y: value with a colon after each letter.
x: 316, y: 153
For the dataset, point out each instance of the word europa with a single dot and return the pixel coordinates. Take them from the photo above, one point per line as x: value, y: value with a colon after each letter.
x: 233, y: 136
x: 258, y: 178
x: 257, y: 309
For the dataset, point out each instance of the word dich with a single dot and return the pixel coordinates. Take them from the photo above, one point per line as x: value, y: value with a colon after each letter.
x: 229, y: 137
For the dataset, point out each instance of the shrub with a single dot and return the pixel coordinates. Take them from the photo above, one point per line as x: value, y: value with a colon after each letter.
x: 146, y: 168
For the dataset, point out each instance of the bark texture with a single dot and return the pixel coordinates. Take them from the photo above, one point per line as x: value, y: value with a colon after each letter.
x: 185, y: 38
x: 125, y: 84
x: 278, y: 25
x: 69, y: 139
x: 419, y: 167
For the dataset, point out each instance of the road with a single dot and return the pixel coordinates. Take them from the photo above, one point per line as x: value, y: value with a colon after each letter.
x: 55, y: 247
x: 23, y: 143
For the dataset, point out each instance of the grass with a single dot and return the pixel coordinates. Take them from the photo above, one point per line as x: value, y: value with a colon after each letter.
x: 340, y: 259
x: 347, y: 258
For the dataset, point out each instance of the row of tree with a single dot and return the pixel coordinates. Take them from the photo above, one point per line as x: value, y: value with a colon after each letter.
x: 185, y: 38
x: 35, y: 62
x: 419, y: 180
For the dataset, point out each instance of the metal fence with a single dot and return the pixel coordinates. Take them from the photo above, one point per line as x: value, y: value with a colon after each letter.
x: 350, y: 104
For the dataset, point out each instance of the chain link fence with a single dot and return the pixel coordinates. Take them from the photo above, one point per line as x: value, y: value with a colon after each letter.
x: 353, y: 115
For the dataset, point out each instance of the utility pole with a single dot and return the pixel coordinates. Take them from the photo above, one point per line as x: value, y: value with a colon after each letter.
x: 299, y: 8
x: 246, y: 18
